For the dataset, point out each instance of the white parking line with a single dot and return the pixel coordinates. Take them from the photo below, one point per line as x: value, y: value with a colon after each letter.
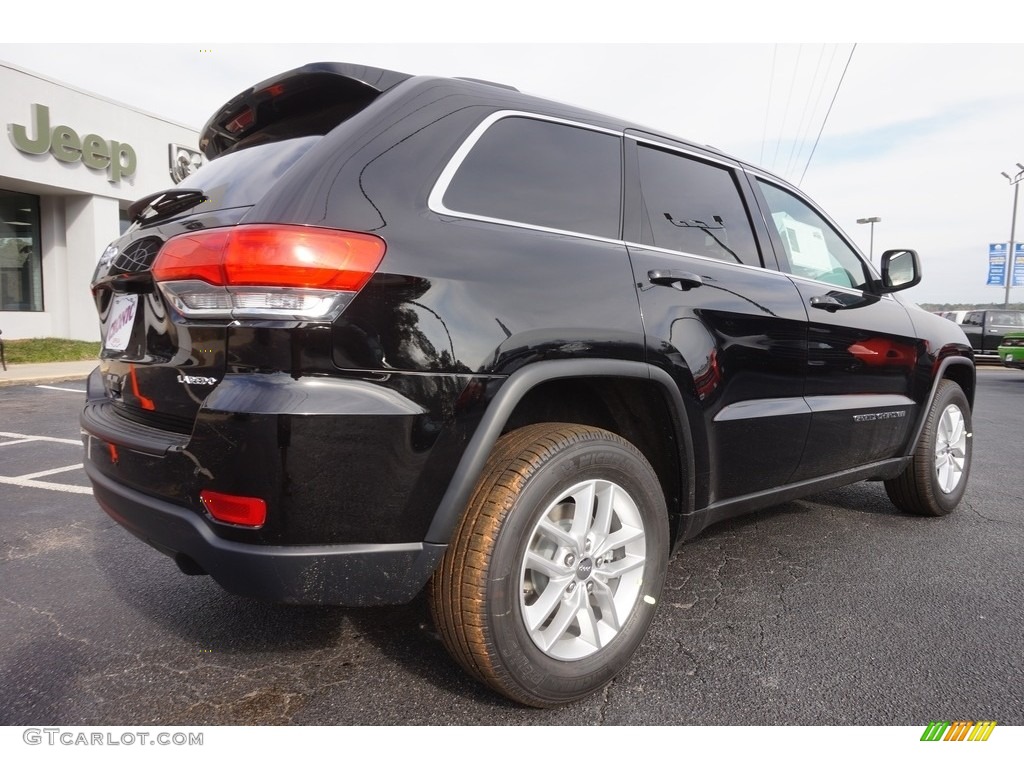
x: 29, y: 480
x: 45, y: 485
x: 61, y: 389
x: 28, y: 438
x: 44, y: 473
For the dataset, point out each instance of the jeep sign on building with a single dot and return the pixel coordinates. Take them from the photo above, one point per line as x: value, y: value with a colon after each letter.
x: 71, y: 163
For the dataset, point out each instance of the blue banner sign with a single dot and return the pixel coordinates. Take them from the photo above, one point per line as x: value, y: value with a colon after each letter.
x: 1018, y: 265
x: 996, y: 264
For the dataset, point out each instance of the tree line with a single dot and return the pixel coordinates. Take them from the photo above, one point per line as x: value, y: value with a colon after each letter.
x: 961, y: 305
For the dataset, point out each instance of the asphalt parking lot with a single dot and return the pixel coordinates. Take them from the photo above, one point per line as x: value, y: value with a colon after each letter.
x: 834, y: 610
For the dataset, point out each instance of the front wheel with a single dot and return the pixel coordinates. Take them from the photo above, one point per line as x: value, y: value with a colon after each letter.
x: 552, y: 578
x: 936, y: 478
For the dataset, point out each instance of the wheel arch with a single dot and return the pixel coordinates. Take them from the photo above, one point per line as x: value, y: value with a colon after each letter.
x: 962, y: 371
x: 958, y: 369
x: 522, y: 398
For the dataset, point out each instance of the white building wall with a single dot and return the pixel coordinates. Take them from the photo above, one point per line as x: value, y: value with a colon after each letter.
x: 90, y: 220
x: 79, y: 205
x: 54, y: 321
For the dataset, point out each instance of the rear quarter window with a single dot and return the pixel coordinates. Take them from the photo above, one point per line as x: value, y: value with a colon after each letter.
x: 545, y: 174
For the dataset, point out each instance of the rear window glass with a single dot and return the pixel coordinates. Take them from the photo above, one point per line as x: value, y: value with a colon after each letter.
x: 242, y: 177
x: 541, y: 173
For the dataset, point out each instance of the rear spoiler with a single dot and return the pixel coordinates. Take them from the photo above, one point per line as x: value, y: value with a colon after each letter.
x: 307, y: 101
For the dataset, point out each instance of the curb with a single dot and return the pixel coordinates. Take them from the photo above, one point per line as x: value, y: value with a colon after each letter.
x: 29, y: 374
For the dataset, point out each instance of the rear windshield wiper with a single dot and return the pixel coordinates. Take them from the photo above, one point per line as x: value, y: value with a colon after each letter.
x: 160, y: 205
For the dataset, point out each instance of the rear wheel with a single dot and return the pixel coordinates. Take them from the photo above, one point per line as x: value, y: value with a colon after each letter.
x: 936, y: 478
x: 551, y: 580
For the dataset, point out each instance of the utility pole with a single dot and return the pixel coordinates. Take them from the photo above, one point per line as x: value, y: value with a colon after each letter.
x: 1015, y: 182
x: 872, y: 220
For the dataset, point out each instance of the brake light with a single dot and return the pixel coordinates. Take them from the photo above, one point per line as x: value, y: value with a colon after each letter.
x: 237, y: 510
x: 266, y: 271
x: 274, y: 90
x: 240, y: 121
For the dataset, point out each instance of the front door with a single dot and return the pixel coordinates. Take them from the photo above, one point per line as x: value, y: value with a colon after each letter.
x: 861, y: 346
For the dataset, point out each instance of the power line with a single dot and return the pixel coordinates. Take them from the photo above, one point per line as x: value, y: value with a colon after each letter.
x: 803, y: 114
x: 819, y: 90
x: 768, y: 106
x: 785, y: 113
x: 825, y: 120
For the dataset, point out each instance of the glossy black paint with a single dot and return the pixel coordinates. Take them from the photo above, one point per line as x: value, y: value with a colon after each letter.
x: 342, y: 574
x: 371, y: 430
x: 738, y: 337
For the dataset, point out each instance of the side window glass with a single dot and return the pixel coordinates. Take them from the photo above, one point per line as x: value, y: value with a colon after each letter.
x: 542, y: 173
x: 973, y: 318
x: 694, y: 207
x: 812, y: 247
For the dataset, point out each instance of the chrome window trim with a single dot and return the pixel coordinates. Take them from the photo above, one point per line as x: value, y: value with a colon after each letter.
x: 833, y: 286
x: 533, y: 227
x: 435, y: 200
x: 436, y: 205
x: 709, y: 259
x: 717, y: 162
x: 689, y: 152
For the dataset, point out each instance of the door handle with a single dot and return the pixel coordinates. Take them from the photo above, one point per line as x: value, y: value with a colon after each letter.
x: 683, y: 281
x: 828, y: 303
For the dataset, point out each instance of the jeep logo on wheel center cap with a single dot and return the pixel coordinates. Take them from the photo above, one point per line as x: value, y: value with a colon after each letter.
x: 584, y: 569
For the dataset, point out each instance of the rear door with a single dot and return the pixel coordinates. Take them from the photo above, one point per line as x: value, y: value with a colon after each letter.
x: 731, y: 332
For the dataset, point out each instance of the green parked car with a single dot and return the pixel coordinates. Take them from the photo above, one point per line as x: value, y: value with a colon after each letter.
x: 1011, y: 350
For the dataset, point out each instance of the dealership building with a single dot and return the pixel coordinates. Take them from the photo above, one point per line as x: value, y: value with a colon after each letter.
x: 70, y: 165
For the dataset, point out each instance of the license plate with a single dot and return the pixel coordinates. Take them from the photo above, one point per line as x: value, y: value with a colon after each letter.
x: 122, y: 320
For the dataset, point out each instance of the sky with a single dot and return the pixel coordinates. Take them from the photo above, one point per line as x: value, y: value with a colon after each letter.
x: 916, y: 133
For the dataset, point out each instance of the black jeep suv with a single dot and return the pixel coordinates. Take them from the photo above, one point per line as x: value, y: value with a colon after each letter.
x: 413, y: 331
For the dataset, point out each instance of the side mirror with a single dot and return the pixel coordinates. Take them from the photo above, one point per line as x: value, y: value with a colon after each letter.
x: 901, y: 269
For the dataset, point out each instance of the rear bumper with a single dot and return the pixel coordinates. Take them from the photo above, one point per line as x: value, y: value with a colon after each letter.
x: 343, y: 574
x: 1012, y: 357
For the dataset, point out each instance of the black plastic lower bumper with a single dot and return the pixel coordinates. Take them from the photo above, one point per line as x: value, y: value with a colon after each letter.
x: 346, y: 574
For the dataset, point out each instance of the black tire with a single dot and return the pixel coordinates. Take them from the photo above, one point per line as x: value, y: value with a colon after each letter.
x: 925, y: 488
x: 487, y: 589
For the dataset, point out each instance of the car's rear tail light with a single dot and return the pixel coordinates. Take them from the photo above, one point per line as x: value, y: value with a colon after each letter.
x: 237, y: 510
x: 266, y: 271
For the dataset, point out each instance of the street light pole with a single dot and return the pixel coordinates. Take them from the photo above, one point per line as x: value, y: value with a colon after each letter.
x: 1015, y: 182
x: 872, y: 220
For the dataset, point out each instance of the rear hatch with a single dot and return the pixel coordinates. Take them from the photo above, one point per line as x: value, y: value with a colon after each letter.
x: 190, y: 273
